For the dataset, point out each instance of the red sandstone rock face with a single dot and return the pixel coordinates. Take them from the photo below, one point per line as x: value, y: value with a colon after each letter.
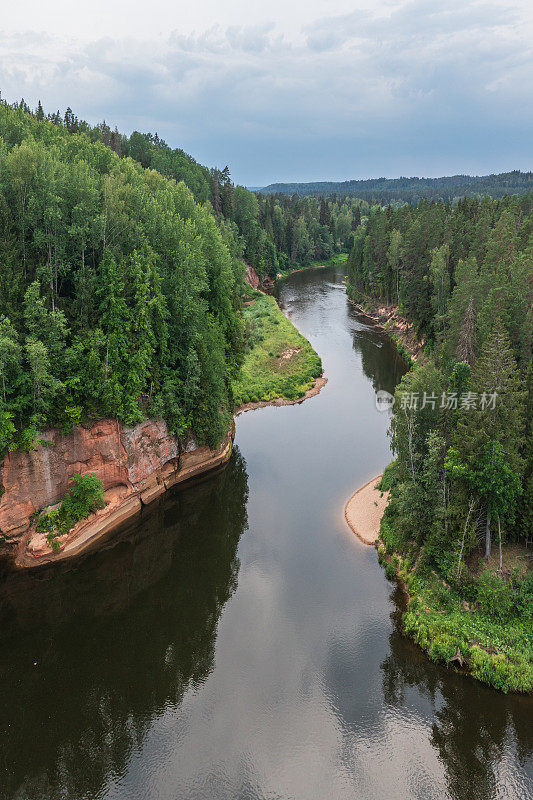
x: 147, y: 446
x: 124, y: 457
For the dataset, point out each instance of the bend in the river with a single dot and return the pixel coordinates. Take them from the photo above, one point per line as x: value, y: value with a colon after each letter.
x: 239, y: 641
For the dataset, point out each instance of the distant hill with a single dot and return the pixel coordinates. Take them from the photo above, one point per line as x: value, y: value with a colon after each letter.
x: 411, y: 190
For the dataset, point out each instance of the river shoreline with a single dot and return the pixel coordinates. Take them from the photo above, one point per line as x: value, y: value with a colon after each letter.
x: 161, y: 462
x: 282, y: 276
x: 364, y: 510
x: 120, y: 509
x: 395, y: 325
x: 318, y: 385
x: 34, y: 550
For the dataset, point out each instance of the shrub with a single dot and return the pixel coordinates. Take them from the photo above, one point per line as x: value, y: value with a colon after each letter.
x: 445, y: 597
x: 501, y: 672
x: 524, y: 596
x: 84, y: 497
x: 442, y: 648
x: 495, y: 596
x: 388, y: 479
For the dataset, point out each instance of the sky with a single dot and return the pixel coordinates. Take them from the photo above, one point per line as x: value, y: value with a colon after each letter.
x: 290, y: 90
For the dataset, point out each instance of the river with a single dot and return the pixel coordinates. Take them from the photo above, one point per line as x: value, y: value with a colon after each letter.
x: 238, y: 642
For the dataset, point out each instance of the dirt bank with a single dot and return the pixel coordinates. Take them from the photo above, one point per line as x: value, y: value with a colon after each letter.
x: 364, y: 510
x: 396, y: 325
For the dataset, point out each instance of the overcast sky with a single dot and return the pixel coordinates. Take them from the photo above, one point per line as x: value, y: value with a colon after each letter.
x: 290, y: 90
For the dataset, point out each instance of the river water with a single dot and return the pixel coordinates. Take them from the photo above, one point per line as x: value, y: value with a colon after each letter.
x: 238, y: 641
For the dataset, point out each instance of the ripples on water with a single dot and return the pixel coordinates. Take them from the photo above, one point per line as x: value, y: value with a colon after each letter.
x: 238, y: 642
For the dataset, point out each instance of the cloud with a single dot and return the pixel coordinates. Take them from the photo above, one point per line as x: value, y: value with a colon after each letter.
x: 364, y: 92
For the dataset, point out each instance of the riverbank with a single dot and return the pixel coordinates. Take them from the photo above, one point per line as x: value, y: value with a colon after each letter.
x: 364, y: 510
x: 397, y: 326
x: 125, y: 497
x: 451, y: 630
x: 339, y: 258
x: 280, y: 364
x: 136, y: 465
x: 317, y: 386
x: 477, y: 636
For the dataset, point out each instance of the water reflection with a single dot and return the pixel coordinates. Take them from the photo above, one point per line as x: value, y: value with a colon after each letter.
x: 112, y: 642
x: 382, y: 363
x: 477, y: 733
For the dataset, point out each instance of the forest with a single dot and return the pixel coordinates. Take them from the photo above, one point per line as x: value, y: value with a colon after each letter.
x: 121, y: 295
x: 122, y: 275
x: 272, y: 234
x: 412, y: 190
x: 461, y: 506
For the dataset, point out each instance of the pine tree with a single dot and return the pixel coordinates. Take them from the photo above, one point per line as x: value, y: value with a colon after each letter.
x: 215, y: 193
x: 141, y: 344
x: 115, y: 322
x: 325, y: 214
x: 489, y: 438
x: 10, y: 361
x: 394, y: 258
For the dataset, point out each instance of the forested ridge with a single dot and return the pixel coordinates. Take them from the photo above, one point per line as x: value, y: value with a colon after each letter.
x: 121, y: 275
x: 412, y: 190
x: 272, y: 234
x: 462, y: 482
x: 120, y: 294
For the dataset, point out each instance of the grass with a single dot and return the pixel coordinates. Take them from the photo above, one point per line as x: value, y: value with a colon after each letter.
x: 492, y: 629
x: 249, y: 293
x: 338, y: 258
x: 280, y: 362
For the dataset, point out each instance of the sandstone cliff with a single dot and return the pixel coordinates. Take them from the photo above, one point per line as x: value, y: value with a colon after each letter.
x: 135, y: 465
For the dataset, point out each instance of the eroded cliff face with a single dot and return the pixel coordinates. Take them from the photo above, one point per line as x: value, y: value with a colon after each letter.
x: 252, y: 277
x: 135, y: 466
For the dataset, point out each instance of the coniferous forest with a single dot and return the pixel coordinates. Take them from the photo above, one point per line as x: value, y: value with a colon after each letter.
x: 120, y: 293
x: 462, y: 482
x: 412, y: 190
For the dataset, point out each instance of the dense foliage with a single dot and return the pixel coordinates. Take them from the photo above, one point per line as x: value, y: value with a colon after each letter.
x: 412, y: 190
x: 279, y: 232
x: 119, y: 293
x: 462, y: 423
x: 272, y: 234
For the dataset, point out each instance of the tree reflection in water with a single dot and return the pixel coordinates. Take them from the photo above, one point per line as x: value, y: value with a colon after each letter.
x: 471, y: 740
x: 88, y: 656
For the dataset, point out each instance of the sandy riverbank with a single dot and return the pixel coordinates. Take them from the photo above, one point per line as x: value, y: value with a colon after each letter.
x: 364, y: 510
x: 395, y: 325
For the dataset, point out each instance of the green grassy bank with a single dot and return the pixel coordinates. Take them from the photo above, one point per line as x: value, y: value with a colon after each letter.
x: 485, y: 615
x: 279, y: 361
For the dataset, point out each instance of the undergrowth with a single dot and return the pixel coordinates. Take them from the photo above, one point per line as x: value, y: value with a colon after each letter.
x: 85, y: 496
x: 487, y: 618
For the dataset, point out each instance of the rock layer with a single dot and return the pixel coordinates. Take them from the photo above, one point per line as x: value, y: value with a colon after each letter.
x: 135, y: 465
